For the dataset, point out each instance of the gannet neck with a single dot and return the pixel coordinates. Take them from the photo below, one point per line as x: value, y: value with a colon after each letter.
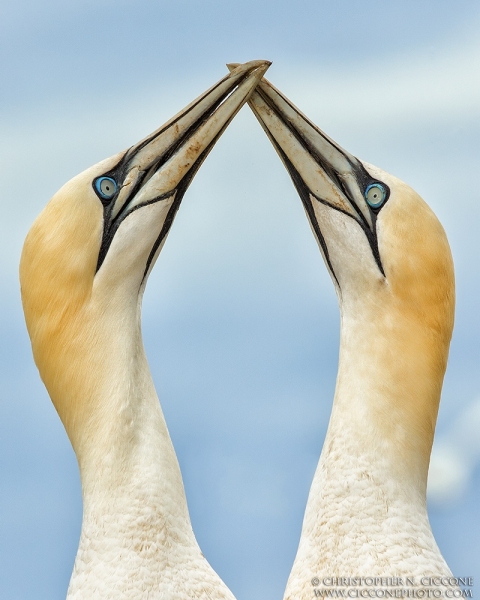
x: 135, y: 512
x: 136, y: 529
x: 366, y: 512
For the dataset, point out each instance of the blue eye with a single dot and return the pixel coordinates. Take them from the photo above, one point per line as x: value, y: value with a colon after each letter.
x: 106, y: 187
x: 375, y: 195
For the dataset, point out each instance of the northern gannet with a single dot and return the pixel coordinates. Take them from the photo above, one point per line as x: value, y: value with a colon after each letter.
x: 392, y: 269
x: 83, y: 272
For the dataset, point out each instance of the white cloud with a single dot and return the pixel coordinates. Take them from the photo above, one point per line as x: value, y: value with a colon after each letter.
x: 455, y: 456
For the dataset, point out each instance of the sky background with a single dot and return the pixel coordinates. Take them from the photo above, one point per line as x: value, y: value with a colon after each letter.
x: 240, y: 317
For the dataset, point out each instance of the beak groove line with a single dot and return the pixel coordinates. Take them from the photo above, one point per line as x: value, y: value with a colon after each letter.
x: 360, y: 174
x: 188, y: 137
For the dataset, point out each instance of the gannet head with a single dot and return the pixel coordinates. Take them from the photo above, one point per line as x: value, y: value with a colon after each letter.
x: 87, y: 257
x: 391, y: 265
x: 374, y: 231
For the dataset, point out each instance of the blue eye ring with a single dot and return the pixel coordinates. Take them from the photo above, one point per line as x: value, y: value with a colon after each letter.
x: 106, y: 187
x: 375, y: 195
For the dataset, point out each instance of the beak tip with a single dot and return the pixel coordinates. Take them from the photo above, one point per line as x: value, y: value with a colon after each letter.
x: 251, y: 66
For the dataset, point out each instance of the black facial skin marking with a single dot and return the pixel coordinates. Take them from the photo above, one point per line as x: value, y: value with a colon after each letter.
x: 122, y: 168
x: 361, y: 175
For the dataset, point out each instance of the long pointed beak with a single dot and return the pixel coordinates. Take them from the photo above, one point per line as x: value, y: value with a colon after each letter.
x: 321, y: 170
x: 163, y: 164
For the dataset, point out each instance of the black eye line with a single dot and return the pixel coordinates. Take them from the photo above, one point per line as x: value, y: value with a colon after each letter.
x: 328, y: 169
x: 364, y: 179
x: 110, y: 231
x: 371, y: 234
x: 111, y: 226
x: 361, y: 175
x: 119, y: 171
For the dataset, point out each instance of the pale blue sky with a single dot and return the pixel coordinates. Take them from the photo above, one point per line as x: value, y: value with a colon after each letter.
x: 240, y: 316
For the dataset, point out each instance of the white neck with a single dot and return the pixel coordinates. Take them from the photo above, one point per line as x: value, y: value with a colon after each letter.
x: 136, y: 540
x: 366, y: 512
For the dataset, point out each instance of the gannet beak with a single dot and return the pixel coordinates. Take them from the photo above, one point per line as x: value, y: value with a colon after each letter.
x: 162, y: 165
x: 321, y: 170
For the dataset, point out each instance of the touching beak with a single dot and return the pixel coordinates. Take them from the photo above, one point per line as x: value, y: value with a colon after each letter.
x: 321, y: 170
x: 163, y: 164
